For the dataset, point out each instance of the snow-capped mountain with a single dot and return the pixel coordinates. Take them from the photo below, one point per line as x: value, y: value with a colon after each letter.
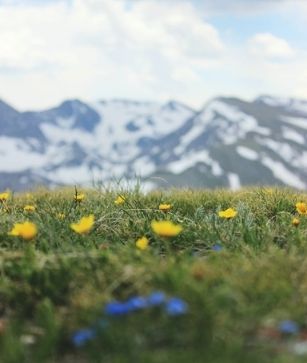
x: 229, y: 142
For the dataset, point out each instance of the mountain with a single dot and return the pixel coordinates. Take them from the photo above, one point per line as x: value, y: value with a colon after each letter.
x: 229, y: 142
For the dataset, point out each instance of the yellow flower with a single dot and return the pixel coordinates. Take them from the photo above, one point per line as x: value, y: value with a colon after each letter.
x: 295, y: 222
x: 4, y: 196
x: 269, y: 190
x: 142, y: 243
x: 29, y: 208
x: 301, y: 208
x: 61, y: 215
x: 26, y: 230
x: 165, y: 207
x: 228, y: 213
x: 166, y: 228
x: 79, y: 197
x: 119, y: 200
x: 84, y: 225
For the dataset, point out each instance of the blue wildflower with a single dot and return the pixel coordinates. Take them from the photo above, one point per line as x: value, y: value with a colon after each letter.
x: 81, y: 337
x: 217, y: 247
x: 288, y: 327
x: 116, y: 308
x: 176, y: 306
x: 156, y: 298
x: 136, y: 303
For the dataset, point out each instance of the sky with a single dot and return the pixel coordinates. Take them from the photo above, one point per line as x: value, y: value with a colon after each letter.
x: 156, y: 50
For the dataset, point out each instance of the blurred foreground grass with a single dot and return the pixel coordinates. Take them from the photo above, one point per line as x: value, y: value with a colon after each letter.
x: 243, y: 279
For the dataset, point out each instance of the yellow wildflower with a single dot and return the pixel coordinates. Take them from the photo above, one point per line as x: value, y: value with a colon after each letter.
x: 295, y: 222
x: 166, y: 228
x: 269, y: 190
x: 228, y: 213
x: 26, y: 230
x: 61, y: 215
x: 301, y: 208
x: 84, y: 225
x: 79, y: 197
x: 142, y: 243
x: 119, y: 200
x: 4, y: 196
x: 29, y: 208
x: 165, y: 207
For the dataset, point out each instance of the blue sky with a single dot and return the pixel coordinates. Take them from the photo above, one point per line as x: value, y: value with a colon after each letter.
x: 241, y: 27
x: 189, y: 50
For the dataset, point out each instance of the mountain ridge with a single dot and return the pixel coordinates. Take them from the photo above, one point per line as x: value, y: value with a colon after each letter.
x: 229, y: 142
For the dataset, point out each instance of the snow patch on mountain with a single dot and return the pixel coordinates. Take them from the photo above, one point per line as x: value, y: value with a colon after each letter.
x: 56, y: 135
x: 274, y: 101
x: 235, y: 124
x: 216, y: 168
x: 190, y: 160
x: 234, y: 181
x: 282, y: 173
x: 187, y: 138
x: 284, y: 150
x: 247, y: 153
x: 299, y: 105
x: 65, y: 123
x: 293, y: 135
x: 284, y: 102
x: 231, y: 113
x: 74, y: 175
x: 300, y: 122
x: 16, y: 156
x: 134, y: 122
x: 144, y: 166
x: 193, y: 158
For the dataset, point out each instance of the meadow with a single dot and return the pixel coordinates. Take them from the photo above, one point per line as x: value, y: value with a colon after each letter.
x: 174, y: 276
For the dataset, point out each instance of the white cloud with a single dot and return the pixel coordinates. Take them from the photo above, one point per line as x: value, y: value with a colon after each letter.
x: 152, y: 49
x: 249, y: 76
x: 268, y: 46
x: 14, y: 49
x: 242, y: 7
x: 99, y: 48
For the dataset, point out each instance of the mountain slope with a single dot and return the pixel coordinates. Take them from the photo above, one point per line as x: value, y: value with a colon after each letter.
x: 76, y: 142
x: 230, y: 142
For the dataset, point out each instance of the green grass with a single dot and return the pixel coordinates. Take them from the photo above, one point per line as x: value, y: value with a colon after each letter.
x: 60, y: 282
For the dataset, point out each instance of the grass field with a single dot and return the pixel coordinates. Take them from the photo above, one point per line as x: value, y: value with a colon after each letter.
x: 221, y: 290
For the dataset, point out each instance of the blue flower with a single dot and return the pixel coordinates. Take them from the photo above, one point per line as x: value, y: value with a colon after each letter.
x: 116, y: 308
x: 217, y: 247
x: 176, y: 306
x: 136, y: 303
x: 80, y: 337
x: 288, y: 327
x: 156, y: 298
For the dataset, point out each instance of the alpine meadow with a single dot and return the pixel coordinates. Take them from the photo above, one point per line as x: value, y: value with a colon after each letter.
x: 178, y: 276
x: 153, y: 181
